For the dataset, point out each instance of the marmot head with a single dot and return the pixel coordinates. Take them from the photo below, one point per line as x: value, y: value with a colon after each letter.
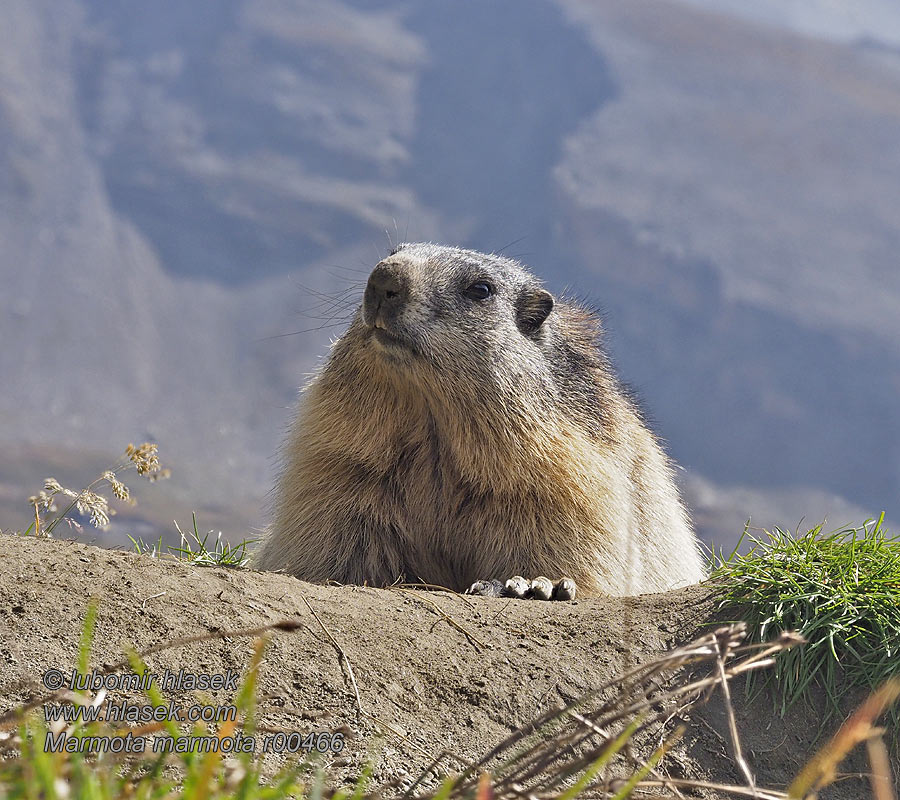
x: 454, y: 311
x: 476, y: 334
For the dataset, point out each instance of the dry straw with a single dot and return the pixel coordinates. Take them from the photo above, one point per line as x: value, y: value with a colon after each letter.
x: 89, y: 502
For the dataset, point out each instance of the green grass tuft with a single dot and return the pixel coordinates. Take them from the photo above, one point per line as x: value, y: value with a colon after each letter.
x: 196, y: 548
x: 840, y: 590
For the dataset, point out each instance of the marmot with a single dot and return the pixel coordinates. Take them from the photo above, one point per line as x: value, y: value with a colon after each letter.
x: 468, y: 427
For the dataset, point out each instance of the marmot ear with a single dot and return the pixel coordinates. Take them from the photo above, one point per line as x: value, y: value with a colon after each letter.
x: 533, y: 306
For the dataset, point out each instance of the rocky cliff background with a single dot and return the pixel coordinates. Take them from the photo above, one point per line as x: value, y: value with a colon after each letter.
x: 192, y: 193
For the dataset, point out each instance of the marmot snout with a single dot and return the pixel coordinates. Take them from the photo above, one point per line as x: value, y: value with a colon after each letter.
x: 468, y: 426
x: 386, y: 292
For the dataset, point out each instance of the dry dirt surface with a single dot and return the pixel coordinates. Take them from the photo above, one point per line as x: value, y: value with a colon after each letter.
x: 435, y: 671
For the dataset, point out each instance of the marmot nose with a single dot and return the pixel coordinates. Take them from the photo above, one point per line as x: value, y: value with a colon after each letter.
x: 386, y: 292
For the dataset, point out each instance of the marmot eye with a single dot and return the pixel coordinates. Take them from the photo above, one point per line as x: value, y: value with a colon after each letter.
x: 479, y: 291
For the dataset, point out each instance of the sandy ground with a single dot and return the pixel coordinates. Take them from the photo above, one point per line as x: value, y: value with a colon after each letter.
x: 425, y: 684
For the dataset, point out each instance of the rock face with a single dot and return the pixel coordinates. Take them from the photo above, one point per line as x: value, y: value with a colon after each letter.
x: 180, y: 182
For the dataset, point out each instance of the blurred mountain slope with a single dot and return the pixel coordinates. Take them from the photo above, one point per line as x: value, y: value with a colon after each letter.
x: 179, y: 183
x: 738, y: 201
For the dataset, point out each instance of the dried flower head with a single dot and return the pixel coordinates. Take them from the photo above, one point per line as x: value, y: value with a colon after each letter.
x: 144, y: 457
x: 95, y: 505
x: 119, y: 489
x: 42, y: 499
x: 52, y: 487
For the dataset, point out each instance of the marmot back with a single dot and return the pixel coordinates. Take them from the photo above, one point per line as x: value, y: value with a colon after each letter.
x: 468, y: 426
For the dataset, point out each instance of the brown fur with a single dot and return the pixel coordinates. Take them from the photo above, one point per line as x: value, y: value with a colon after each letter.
x: 486, y: 446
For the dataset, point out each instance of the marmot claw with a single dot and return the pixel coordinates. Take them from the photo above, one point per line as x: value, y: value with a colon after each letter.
x: 540, y: 588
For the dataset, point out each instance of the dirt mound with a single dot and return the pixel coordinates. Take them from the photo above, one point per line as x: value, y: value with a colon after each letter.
x: 434, y: 671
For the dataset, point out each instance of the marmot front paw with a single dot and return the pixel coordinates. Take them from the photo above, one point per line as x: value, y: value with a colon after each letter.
x: 540, y: 588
